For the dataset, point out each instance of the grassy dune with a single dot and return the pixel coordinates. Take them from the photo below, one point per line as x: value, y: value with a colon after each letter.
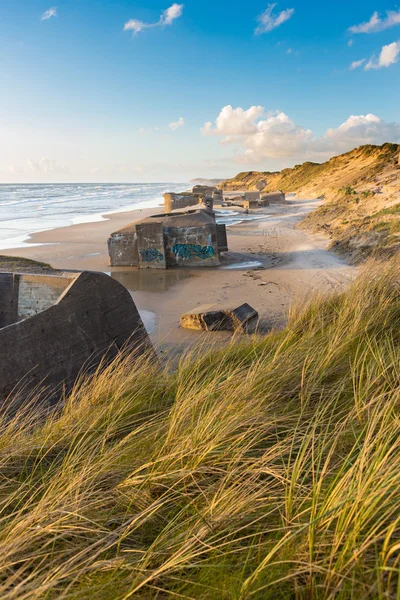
x: 266, y: 470
x: 362, y: 193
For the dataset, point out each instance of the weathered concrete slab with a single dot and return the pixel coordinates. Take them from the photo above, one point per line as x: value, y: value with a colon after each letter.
x: 123, y: 248
x: 9, y: 288
x: 203, y: 318
x: 274, y: 197
x: 192, y: 242
x: 39, y: 292
x: 222, y: 238
x: 204, y: 190
x: 92, y: 320
x: 174, y: 201
x: 150, y: 241
x: 254, y: 196
x: 239, y: 318
x: 210, y: 317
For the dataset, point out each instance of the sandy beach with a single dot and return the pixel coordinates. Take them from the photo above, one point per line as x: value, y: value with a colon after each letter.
x: 271, y: 264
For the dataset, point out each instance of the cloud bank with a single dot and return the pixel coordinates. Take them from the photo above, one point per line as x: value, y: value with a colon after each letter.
x: 45, y: 166
x: 268, y: 21
x: 167, y: 18
x: 376, y: 23
x: 260, y: 135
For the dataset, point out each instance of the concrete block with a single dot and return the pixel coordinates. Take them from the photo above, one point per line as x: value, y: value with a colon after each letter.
x: 203, y: 318
x: 38, y: 292
x: 210, y: 317
x: 9, y: 291
x: 174, y: 201
x: 94, y: 318
x: 274, y: 197
x: 240, y: 318
x: 123, y: 249
x: 204, y: 190
x: 192, y: 246
x: 151, y: 248
x: 252, y: 196
x: 222, y: 238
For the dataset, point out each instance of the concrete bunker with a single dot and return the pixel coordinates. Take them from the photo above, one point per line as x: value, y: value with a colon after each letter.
x: 252, y: 200
x: 53, y: 328
x: 278, y: 197
x: 199, y: 195
x: 164, y: 241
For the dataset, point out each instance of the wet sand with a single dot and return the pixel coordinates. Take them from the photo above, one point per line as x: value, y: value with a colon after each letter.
x: 271, y: 265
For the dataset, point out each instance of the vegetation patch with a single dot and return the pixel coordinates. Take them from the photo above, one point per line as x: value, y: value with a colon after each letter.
x: 22, y: 265
x: 266, y: 470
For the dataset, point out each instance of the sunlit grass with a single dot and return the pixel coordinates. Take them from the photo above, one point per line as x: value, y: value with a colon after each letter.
x: 269, y: 469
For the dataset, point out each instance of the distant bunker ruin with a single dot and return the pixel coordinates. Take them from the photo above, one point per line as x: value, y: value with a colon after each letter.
x: 253, y: 200
x: 200, y: 194
x: 53, y: 328
x: 192, y: 239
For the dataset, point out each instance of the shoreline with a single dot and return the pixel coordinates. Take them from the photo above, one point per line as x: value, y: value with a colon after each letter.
x: 78, y: 238
x: 49, y: 221
x: 271, y: 264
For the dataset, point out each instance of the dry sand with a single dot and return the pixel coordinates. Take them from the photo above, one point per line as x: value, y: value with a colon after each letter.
x: 271, y: 265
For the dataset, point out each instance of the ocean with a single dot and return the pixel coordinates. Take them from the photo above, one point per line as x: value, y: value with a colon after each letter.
x: 27, y: 209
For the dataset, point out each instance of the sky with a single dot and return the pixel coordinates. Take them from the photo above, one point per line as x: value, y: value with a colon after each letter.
x: 149, y: 90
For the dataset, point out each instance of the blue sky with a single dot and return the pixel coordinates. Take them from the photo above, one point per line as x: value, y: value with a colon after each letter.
x: 135, y: 91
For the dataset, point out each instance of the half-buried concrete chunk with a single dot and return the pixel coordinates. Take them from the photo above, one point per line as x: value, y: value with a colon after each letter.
x: 211, y: 318
x: 55, y: 328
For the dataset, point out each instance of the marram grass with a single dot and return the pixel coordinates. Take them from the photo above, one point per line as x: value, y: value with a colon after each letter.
x: 266, y: 470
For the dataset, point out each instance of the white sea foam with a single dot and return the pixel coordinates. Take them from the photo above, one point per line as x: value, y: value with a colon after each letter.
x: 29, y: 209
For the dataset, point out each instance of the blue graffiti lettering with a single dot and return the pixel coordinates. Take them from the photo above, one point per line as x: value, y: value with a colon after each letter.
x: 187, y: 251
x: 151, y: 254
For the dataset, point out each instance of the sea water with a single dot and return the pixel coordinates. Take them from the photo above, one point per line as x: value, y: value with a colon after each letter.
x: 27, y: 209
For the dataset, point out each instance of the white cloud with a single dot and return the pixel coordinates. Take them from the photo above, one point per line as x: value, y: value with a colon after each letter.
x: 350, y: 43
x: 261, y: 136
x: 389, y: 55
x: 356, y: 131
x: 175, y: 125
x: 167, y: 18
x: 357, y: 63
x: 136, y: 26
x: 235, y: 121
x: 45, y: 165
x: 52, y: 12
x: 267, y: 21
x: 376, y: 23
x: 173, y: 12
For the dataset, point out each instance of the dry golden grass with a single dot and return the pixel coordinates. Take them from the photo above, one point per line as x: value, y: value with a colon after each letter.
x: 266, y: 470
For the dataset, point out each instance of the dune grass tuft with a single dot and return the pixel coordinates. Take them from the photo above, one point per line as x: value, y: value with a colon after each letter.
x: 266, y: 470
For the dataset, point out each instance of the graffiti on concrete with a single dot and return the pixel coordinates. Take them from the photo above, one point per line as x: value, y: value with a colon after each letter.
x: 187, y: 251
x: 151, y: 254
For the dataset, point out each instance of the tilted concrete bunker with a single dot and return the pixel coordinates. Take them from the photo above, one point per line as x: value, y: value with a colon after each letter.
x: 163, y: 241
x: 278, y: 197
x: 53, y: 328
x: 255, y: 199
x: 200, y: 194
